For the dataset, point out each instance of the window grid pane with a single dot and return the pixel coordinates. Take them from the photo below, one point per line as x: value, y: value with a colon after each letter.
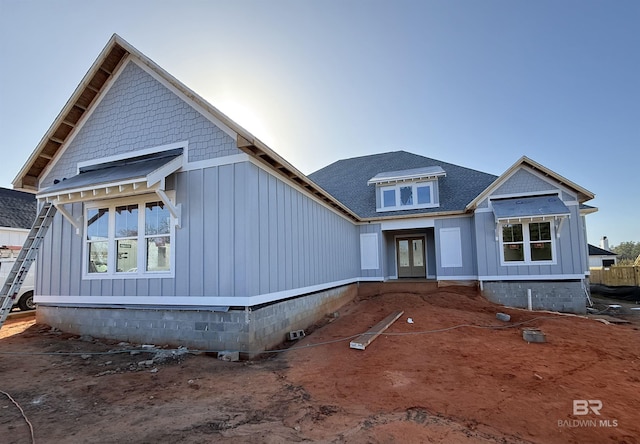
x: 158, y: 253
x: 98, y: 224
x: 424, y: 195
x: 157, y: 218
x: 127, y: 255
x: 406, y: 195
x: 389, y: 198
x: 126, y: 221
x: 98, y: 256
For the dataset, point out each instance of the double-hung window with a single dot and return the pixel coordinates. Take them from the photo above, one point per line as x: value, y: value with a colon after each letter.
x: 527, y: 243
x: 128, y: 239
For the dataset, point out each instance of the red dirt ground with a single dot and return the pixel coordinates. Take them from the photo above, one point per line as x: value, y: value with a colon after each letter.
x: 462, y: 385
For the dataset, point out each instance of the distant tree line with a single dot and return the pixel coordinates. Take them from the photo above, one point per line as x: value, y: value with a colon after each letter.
x: 627, y: 252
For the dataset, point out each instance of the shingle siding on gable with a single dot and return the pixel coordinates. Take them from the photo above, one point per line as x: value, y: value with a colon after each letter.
x: 137, y: 113
x: 523, y: 181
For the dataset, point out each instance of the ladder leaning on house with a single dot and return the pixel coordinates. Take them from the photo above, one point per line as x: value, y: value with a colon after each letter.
x: 24, y: 260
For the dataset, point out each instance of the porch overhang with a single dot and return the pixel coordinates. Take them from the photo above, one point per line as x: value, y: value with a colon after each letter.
x: 529, y: 209
x: 415, y: 174
x: 122, y: 178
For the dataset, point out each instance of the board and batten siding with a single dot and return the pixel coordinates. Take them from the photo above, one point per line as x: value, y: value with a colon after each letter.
x: 370, y: 229
x: 567, y: 262
x: 244, y: 232
x: 449, y: 245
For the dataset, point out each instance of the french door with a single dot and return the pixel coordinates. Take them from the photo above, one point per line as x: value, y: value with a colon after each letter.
x: 411, y: 257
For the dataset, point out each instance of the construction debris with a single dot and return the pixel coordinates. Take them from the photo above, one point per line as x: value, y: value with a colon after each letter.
x: 361, y: 342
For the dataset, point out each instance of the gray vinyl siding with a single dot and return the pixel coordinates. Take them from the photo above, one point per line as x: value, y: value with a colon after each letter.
x: 264, y: 235
x: 571, y: 240
x: 469, y: 266
x: 570, y: 252
x: 243, y: 232
x: 138, y: 112
x: 523, y: 181
x: 431, y: 253
x: 389, y: 253
x: 382, y: 258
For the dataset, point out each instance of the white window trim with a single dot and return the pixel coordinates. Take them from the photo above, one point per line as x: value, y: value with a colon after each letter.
x: 111, y: 204
x: 526, y: 242
x: 396, y: 187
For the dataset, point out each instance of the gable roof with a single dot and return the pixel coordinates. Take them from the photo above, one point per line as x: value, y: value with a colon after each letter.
x: 597, y: 251
x: 104, y: 70
x: 346, y: 180
x: 583, y: 194
x: 17, y: 209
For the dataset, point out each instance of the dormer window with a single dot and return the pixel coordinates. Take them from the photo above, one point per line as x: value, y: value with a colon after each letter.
x: 408, y: 189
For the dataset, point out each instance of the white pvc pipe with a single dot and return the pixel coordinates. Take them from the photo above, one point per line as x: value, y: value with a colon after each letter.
x: 529, y: 305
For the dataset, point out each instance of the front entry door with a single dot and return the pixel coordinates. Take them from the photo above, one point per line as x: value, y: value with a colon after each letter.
x: 411, y: 259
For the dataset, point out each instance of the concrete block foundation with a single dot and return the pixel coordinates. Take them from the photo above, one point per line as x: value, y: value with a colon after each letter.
x: 248, y: 330
x: 562, y: 296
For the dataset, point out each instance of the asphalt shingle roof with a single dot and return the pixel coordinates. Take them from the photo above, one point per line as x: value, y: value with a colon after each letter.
x: 597, y: 251
x: 17, y: 208
x: 346, y: 180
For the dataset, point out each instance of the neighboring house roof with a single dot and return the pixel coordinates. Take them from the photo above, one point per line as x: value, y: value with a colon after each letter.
x: 597, y: 251
x: 17, y: 209
x: 346, y: 180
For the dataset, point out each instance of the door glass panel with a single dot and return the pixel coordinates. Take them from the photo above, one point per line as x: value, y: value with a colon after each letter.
x: 403, y: 253
x: 418, y: 253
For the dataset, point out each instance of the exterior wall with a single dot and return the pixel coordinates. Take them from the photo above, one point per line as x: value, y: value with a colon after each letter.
x: 523, y: 181
x: 597, y: 261
x: 248, y: 233
x: 382, y: 258
x: 138, y: 112
x: 247, y: 331
x: 563, y: 296
x: 391, y: 261
x: 569, y: 258
x: 244, y: 233
x: 469, y: 266
x: 13, y: 236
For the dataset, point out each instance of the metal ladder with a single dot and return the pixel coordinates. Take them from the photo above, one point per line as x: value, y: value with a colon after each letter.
x: 25, y: 258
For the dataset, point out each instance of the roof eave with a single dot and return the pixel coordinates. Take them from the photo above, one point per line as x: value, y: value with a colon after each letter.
x: 415, y: 215
x: 82, y: 99
x: 583, y: 194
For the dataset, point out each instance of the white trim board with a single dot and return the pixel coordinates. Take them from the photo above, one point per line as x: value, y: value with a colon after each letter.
x: 238, y: 301
x: 533, y: 277
x: 408, y: 224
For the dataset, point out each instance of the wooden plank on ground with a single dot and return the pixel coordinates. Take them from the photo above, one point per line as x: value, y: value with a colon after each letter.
x: 361, y: 342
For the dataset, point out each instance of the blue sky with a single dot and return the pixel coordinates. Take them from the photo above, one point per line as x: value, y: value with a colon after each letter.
x: 475, y: 83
